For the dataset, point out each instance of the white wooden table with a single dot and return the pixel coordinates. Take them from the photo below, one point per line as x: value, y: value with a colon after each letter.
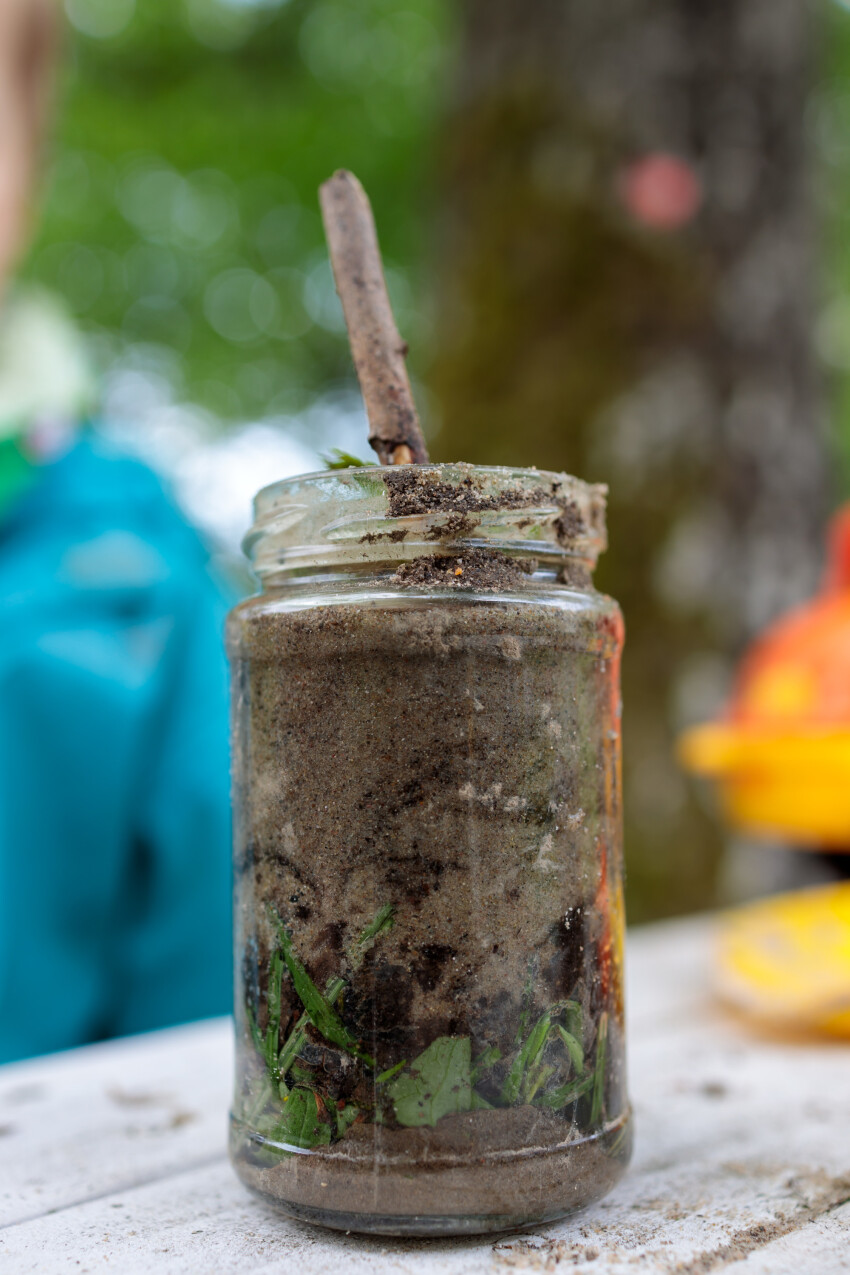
x: 113, y: 1157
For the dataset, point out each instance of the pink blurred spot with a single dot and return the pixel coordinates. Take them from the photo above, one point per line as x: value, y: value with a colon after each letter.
x: 660, y: 190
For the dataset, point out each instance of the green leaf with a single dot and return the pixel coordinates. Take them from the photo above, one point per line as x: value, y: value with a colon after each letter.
x: 574, y: 1018
x: 438, y: 1083
x: 513, y: 1081
x: 292, y: 1045
x: 571, y: 1092
x: 477, y: 1103
x: 273, y: 1028
x: 304, y: 1123
x: 390, y: 1072
x: 321, y: 1012
x: 574, y: 1049
x: 254, y: 1028
x: 484, y: 1062
x: 598, y: 1103
x: 345, y: 1118
x: 537, y: 1080
x: 338, y: 459
x: 301, y: 1076
x: 536, y: 1042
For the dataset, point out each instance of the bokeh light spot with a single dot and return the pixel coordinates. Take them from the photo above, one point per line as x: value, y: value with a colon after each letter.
x: 292, y: 319
x: 337, y: 46
x: 661, y: 191
x: 100, y: 19
x: 241, y: 305
x: 321, y: 300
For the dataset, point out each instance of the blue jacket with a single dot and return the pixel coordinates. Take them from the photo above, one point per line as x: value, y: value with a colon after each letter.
x: 114, y: 790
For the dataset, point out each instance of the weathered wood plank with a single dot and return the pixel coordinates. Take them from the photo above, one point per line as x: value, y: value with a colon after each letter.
x: 79, y: 1125
x: 742, y: 1163
x: 668, y: 968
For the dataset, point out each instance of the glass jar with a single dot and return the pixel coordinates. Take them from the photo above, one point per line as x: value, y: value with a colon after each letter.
x: 429, y: 915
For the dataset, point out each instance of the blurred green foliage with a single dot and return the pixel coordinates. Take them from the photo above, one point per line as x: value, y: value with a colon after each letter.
x: 829, y: 133
x: 180, y: 216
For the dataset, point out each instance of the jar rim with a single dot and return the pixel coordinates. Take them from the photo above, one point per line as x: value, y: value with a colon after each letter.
x: 371, y: 514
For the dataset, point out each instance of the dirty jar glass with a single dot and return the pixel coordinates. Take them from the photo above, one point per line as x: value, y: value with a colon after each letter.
x: 429, y: 915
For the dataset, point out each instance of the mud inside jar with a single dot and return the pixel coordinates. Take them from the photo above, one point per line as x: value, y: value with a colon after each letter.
x: 428, y: 881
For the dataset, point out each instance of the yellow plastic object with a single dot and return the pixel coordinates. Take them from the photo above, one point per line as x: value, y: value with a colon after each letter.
x: 781, y: 750
x: 778, y: 783
x: 787, y: 960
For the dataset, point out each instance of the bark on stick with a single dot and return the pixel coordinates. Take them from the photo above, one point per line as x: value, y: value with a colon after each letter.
x: 377, y: 349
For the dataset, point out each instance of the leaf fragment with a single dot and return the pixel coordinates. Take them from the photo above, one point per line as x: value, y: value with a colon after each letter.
x: 555, y: 1099
x: 303, y: 1123
x: 345, y: 1118
x: 438, y: 1083
x: 484, y: 1062
x: 339, y: 459
x: 383, y: 921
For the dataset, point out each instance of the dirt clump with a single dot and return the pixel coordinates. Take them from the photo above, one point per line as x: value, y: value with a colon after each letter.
x: 484, y: 569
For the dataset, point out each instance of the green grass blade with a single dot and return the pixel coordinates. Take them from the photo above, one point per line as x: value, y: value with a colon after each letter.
x: 537, y: 1039
x: 598, y: 1104
x: 513, y: 1081
x: 574, y: 1019
x: 558, y: 1098
x: 272, y: 1041
x: 574, y: 1049
x: 390, y: 1072
x: 319, y: 1009
x: 482, y: 1064
x: 528, y: 1056
x: 292, y: 1045
x: 335, y: 985
x: 538, y: 1081
x: 383, y: 921
x: 254, y: 1029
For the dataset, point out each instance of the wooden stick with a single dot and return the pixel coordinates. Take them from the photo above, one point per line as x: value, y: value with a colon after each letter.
x: 376, y: 347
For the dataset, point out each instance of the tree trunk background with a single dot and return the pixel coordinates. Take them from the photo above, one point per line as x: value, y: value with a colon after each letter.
x: 592, y: 324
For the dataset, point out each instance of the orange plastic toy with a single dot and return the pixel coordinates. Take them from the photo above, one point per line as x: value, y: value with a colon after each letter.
x: 781, y: 752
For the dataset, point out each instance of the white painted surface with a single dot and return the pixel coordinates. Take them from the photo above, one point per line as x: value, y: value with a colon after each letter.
x: 112, y: 1158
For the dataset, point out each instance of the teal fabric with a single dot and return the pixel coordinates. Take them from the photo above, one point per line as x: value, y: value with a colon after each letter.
x: 114, y: 789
